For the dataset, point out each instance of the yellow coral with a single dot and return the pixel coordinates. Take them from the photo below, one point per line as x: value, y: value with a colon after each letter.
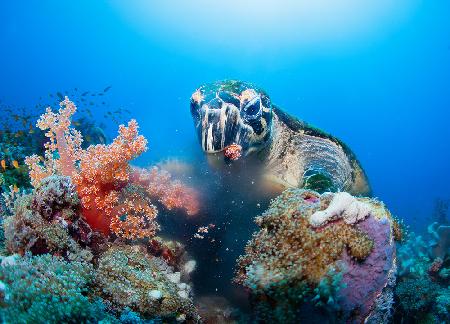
x: 288, y: 247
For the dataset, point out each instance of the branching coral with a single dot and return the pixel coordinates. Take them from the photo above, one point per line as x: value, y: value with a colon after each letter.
x: 64, y: 140
x: 102, y: 172
x: 99, y: 172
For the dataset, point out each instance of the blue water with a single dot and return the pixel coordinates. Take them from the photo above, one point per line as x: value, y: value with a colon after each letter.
x: 375, y: 74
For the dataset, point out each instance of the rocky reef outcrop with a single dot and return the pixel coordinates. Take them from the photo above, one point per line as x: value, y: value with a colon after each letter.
x: 341, y: 268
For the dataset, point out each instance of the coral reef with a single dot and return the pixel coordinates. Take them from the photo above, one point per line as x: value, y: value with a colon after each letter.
x: 102, y: 170
x: 63, y: 265
x: 339, y: 267
x: 173, y: 253
x: 416, y: 295
x: 214, y: 309
x: 375, y: 277
x: 417, y: 254
x: 47, y: 221
x: 128, y: 277
x: 109, y: 199
x: 422, y: 292
x: 53, y: 195
x: 421, y: 299
x: 47, y: 289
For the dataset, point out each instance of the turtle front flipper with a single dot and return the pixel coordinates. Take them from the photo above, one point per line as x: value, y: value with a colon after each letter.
x: 306, y: 157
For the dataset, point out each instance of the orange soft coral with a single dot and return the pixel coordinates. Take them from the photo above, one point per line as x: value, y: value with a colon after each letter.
x: 104, y: 171
x: 135, y: 218
x: 101, y: 174
x: 62, y: 139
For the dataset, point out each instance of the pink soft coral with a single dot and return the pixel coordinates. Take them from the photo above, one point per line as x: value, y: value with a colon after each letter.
x: 172, y: 194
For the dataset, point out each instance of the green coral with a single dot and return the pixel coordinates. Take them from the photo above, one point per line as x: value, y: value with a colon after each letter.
x: 47, y: 289
x: 327, y: 290
x: 443, y: 304
x: 416, y: 295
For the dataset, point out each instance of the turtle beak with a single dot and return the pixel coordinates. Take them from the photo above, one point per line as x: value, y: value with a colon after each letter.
x: 216, y: 128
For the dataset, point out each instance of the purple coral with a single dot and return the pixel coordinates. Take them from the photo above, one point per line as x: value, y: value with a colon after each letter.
x: 347, y: 269
x: 366, y: 281
x: 53, y: 195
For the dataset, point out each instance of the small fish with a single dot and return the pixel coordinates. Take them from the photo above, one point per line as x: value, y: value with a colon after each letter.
x: 31, y: 130
x: 3, y: 163
x: 76, y: 123
x: 15, y: 164
x: 60, y: 95
x: 15, y: 188
x: 19, y: 134
x: 91, y: 103
x: 84, y: 93
x: 107, y: 88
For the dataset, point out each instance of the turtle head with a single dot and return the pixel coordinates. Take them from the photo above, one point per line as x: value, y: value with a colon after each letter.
x: 231, y: 112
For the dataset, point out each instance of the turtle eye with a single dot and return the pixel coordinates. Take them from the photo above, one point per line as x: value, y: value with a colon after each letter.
x: 252, y: 109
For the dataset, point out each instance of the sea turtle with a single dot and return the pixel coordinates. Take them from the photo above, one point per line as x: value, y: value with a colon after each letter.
x: 237, y: 114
